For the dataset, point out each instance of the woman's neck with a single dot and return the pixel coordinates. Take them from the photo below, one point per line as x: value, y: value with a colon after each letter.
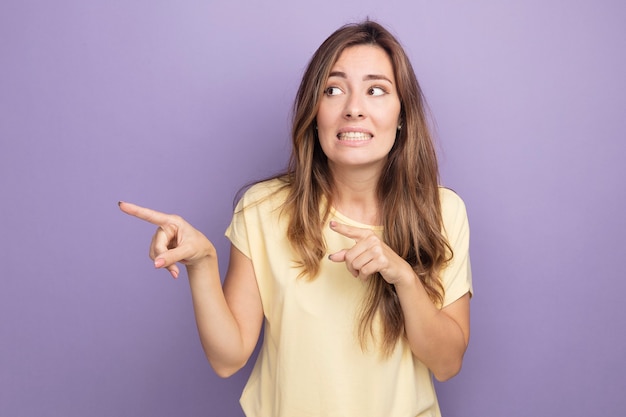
x: 355, y: 196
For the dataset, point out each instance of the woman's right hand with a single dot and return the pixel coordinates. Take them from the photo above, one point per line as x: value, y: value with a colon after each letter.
x: 174, y: 241
x: 229, y: 318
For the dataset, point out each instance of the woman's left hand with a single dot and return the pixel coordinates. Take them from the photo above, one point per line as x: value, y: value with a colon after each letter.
x: 370, y: 255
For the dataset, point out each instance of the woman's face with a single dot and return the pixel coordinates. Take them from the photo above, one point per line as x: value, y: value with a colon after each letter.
x: 359, y: 112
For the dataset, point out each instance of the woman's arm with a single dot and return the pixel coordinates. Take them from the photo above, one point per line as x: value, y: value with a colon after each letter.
x: 229, y: 319
x: 437, y: 337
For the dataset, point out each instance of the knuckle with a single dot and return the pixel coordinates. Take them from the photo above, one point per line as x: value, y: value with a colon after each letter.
x: 169, y: 229
x: 348, y: 258
x: 371, y: 239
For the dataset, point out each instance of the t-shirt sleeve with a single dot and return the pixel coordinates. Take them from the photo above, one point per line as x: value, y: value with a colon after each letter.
x: 457, y: 275
x: 237, y: 231
x: 249, y: 223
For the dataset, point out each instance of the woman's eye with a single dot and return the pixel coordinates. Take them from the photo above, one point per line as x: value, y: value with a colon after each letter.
x: 376, y: 91
x: 332, y: 91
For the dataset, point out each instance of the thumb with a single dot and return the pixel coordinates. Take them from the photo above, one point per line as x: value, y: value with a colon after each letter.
x: 168, y: 261
x: 338, y: 256
x: 341, y: 257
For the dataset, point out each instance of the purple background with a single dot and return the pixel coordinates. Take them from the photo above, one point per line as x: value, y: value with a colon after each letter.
x: 175, y: 105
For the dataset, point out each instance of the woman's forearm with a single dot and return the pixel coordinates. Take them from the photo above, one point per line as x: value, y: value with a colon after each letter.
x: 435, y: 336
x: 218, y: 330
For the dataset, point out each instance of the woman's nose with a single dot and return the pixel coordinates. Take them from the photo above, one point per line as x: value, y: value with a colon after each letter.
x: 354, y: 107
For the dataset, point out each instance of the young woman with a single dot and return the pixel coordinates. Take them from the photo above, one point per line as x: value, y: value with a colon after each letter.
x: 355, y: 260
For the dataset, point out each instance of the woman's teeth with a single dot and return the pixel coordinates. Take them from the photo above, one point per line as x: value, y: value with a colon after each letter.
x: 355, y: 136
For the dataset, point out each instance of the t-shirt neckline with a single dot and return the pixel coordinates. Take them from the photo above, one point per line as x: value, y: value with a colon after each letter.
x: 347, y: 220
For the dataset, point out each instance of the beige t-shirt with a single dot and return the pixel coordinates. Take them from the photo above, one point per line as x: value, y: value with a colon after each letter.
x: 311, y: 363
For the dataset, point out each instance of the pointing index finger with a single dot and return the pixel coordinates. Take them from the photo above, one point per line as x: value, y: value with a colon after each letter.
x: 348, y: 231
x: 151, y: 216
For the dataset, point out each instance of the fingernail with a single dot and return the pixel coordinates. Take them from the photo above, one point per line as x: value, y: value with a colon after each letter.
x: 119, y: 203
x: 333, y: 223
x: 158, y: 263
x: 174, y: 274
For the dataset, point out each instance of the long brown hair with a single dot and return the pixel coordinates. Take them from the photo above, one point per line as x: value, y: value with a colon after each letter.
x: 408, y: 188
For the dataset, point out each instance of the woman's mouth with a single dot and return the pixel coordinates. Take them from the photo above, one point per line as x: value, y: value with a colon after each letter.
x: 354, y: 136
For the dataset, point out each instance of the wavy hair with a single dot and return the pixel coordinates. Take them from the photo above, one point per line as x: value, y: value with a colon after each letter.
x: 408, y: 189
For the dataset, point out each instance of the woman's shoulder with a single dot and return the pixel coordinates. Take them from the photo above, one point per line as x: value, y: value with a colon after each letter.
x: 452, y: 205
x: 273, y: 191
x: 449, y: 197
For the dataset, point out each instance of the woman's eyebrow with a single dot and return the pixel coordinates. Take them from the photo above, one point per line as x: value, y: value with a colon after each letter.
x: 367, y: 77
x: 377, y: 77
x: 338, y: 74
